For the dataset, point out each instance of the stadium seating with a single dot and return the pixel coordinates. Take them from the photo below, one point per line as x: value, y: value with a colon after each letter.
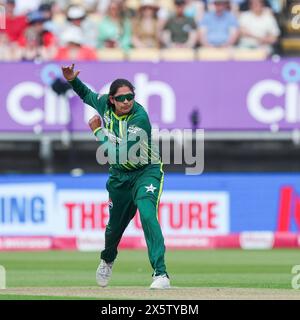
x: 178, y: 54
x: 249, y: 54
x: 213, y: 54
x: 144, y: 55
x: 113, y: 54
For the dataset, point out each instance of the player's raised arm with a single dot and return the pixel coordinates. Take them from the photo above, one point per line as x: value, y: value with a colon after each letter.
x: 86, y: 94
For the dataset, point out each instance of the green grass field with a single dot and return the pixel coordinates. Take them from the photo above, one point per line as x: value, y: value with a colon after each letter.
x: 189, y: 268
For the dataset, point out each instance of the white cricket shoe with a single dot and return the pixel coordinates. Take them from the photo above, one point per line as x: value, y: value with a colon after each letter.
x: 103, y: 273
x: 160, y: 282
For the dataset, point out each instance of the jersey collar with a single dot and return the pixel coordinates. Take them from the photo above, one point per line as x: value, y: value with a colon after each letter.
x: 121, y: 118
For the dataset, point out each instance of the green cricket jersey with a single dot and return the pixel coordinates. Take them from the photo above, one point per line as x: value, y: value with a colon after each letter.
x: 126, y: 138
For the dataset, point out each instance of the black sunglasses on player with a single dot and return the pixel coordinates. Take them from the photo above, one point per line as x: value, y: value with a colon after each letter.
x: 123, y: 97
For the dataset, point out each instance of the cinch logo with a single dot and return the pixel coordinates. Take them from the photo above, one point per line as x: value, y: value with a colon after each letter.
x: 51, y: 109
x: 289, y: 207
x: 290, y: 111
x: 46, y: 106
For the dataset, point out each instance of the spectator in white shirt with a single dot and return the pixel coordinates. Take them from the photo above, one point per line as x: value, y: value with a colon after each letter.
x: 259, y: 28
x: 77, y: 16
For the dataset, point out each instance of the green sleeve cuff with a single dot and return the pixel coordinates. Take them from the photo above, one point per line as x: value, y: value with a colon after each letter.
x: 100, y: 135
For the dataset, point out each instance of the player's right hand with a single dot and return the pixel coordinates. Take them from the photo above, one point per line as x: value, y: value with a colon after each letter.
x: 69, y: 72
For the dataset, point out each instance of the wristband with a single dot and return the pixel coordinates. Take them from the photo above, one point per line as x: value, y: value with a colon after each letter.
x: 96, y: 130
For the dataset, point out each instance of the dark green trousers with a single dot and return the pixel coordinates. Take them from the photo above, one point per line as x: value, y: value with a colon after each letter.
x: 128, y: 191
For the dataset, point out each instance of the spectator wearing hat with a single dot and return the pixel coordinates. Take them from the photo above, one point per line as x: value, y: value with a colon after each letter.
x: 266, y: 31
x: 146, y: 26
x: 180, y: 31
x: 115, y: 30
x: 218, y: 28
x: 77, y: 16
x: 37, y: 42
x: 36, y: 31
x: 74, y: 48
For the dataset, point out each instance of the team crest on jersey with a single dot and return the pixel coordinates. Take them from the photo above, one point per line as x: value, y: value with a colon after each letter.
x: 150, y: 188
x: 110, y: 203
x: 134, y: 129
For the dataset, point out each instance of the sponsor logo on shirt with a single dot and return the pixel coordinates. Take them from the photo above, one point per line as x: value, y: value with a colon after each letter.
x: 134, y: 129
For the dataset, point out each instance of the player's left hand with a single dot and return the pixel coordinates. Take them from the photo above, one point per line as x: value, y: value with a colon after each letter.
x: 95, y: 122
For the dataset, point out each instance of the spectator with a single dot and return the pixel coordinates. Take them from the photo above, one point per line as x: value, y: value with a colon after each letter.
x: 266, y: 31
x: 146, y: 26
x: 180, y: 31
x: 219, y: 28
x: 76, y: 16
x: 114, y: 30
x: 36, y: 42
x: 15, y: 25
x: 75, y: 48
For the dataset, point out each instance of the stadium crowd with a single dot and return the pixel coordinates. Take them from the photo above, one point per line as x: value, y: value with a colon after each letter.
x: 37, y: 30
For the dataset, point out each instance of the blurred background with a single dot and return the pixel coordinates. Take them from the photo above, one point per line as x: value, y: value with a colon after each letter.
x: 231, y: 68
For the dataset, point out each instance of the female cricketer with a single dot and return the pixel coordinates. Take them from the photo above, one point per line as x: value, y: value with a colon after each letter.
x: 131, y: 185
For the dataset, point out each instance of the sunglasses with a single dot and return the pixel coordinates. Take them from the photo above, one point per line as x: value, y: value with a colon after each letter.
x: 123, y: 97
